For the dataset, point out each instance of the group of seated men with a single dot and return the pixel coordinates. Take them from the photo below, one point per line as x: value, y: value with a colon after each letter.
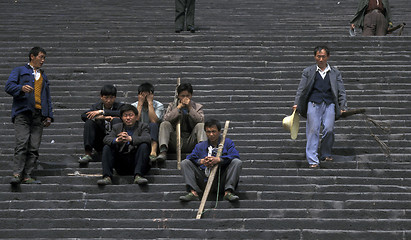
x: 127, y: 138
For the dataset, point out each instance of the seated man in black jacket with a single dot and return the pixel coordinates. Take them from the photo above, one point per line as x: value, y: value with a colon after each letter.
x: 127, y: 148
x: 99, y: 120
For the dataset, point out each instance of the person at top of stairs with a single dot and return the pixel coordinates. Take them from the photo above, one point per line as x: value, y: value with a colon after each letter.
x: 373, y: 17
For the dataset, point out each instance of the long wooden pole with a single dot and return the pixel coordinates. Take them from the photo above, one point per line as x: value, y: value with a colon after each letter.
x: 178, y: 130
x: 212, y: 174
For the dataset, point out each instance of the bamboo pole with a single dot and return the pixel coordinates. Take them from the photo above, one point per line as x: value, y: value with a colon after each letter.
x: 178, y: 130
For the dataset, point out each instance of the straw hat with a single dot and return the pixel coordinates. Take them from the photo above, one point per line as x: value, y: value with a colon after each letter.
x: 292, y: 124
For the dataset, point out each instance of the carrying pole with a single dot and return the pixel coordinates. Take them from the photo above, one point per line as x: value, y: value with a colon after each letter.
x: 213, y: 173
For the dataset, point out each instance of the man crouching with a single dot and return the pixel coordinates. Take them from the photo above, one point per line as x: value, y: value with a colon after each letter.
x: 127, y: 148
x: 197, y: 166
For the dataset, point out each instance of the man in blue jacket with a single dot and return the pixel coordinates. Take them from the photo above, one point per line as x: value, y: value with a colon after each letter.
x: 31, y: 111
x: 321, y: 99
x: 197, y: 166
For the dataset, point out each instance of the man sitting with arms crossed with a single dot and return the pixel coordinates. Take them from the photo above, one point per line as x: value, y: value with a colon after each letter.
x: 197, y: 166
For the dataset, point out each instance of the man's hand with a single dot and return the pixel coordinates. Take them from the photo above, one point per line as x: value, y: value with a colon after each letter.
x: 150, y: 98
x: 294, y: 107
x: 47, y: 122
x: 93, y: 114
x: 109, y: 118
x: 141, y: 98
x: 123, y: 137
x: 352, y: 26
x: 185, y: 102
x: 27, y: 89
x: 210, y: 161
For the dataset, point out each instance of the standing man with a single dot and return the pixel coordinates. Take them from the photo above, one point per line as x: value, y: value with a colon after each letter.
x: 127, y: 148
x: 321, y: 99
x: 184, y: 14
x: 197, y: 167
x: 191, y: 116
x: 150, y: 112
x: 98, y: 121
x: 31, y: 111
x: 373, y: 17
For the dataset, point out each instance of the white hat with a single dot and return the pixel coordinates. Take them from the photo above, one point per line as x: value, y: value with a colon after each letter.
x: 292, y: 124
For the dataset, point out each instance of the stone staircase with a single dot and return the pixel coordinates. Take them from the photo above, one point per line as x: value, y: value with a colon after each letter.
x: 245, y: 62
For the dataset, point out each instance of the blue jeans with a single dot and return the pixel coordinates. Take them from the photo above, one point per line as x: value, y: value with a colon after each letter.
x: 317, y: 115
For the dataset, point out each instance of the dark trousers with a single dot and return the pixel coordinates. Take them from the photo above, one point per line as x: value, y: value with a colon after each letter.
x: 28, y: 128
x: 184, y: 12
x: 133, y: 163
x: 153, y: 131
x: 375, y: 24
x: 93, y: 135
x: 195, y: 177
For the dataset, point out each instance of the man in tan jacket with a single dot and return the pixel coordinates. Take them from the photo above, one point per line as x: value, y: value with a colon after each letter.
x: 192, y: 123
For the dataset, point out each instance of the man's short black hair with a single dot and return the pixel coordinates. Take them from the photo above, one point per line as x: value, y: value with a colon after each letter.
x: 185, y: 87
x: 212, y: 122
x: 128, y: 107
x: 108, y: 90
x: 35, y: 51
x: 146, y: 87
x: 319, y: 48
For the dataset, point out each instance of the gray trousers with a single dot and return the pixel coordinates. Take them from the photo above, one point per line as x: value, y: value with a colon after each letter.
x: 28, y: 128
x: 195, y: 177
x: 183, y: 16
x: 168, y: 138
x: 375, y: 24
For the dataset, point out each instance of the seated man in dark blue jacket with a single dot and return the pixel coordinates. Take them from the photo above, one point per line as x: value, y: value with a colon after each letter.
x: 197, y: 166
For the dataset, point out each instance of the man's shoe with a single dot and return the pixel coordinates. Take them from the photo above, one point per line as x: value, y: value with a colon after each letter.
x: 15, y: 180
x: 314, y: 166
x: 153, y: 158
x: 162, y: 157
x: 30, y: 180
x: 192, y: 30
x: 328, y: 159
x: 189, y: 197
x: 85, y: 159
x: 178, y: 30
x: 231, y: 197
x: 104, y: 181
x: 140, y: 180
